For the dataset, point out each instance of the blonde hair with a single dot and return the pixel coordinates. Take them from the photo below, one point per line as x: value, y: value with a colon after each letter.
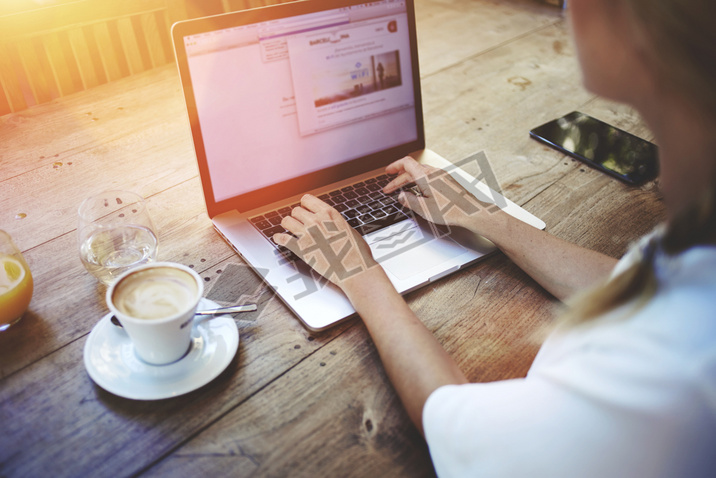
x: 637, y: 284
x: 681, y: 49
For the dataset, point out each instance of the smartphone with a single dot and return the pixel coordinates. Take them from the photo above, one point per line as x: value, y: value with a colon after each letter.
x: 602, y: 146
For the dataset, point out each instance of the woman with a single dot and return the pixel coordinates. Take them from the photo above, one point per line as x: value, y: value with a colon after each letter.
x: 626, y: 386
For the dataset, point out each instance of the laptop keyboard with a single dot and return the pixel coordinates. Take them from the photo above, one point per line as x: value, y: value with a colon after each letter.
x: 363, y: 205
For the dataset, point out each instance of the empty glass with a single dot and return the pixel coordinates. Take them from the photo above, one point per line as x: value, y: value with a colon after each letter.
x: 115, y: 234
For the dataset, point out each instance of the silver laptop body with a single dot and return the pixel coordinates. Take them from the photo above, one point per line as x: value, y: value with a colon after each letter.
x: 312, y: 97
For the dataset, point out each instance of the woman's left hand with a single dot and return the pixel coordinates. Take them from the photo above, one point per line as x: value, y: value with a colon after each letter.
x: 416, y: 363
x: 325, y: 241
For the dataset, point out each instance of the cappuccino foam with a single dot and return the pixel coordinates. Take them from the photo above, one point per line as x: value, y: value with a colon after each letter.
x: 155, y: 293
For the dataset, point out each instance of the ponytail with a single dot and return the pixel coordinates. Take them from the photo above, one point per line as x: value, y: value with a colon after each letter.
x: 637, y: 284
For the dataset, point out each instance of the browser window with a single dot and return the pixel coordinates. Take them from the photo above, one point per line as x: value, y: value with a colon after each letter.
x: 283, y: 98
x: 350, y: 73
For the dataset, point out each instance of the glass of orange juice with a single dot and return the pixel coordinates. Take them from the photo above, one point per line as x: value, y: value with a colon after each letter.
x: 15, y: 283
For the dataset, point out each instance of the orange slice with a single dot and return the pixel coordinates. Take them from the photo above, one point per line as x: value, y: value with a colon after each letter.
x: 11, y: 273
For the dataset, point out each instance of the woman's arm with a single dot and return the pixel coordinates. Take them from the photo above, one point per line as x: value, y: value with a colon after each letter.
x: 557, y: 265
x: 414, y: 360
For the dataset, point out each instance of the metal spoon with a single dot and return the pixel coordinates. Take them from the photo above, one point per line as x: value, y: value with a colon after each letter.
x: 220, y: 311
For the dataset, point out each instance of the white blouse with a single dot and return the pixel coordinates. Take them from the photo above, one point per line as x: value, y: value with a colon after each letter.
x: 622, y: 396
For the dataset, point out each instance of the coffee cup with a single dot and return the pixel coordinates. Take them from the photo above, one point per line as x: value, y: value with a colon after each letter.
x: 156, y: 303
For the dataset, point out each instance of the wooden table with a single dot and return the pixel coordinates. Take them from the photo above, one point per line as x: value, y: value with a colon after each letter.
x: 291, y: 402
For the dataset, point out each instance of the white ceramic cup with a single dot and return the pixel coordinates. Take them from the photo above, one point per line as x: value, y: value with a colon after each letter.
x: 156, y: 303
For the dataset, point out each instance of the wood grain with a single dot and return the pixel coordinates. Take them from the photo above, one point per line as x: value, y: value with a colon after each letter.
x: 451, y: 32
x: 84, y: 430
x: 291, y: 402
x: 72, y: 46
x: 334, y: 414
x: 140, y: 150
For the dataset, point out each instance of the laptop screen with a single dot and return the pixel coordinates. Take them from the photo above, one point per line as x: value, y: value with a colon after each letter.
x: 284, y: 104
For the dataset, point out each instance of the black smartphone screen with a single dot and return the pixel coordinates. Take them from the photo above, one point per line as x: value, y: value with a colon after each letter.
x: 602, y: 146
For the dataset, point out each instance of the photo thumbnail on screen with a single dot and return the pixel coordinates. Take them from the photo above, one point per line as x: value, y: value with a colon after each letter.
x: 369, y: 75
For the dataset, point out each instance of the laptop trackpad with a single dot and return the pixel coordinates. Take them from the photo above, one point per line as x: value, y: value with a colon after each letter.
x: 413, y: 252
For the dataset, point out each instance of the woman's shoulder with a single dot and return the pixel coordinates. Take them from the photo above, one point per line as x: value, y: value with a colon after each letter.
x: 683, y: 303
x: 694, y: 267
x: 664, y: 348
x: 677, y: 324
x: 638, y: 380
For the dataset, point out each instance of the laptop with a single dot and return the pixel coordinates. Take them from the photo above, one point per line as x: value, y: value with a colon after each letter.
x: 317, y: 97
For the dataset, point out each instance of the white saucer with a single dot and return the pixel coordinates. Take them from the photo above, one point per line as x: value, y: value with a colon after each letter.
x: 111, y: 362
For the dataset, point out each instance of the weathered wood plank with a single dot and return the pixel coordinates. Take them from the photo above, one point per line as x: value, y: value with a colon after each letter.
x: 112, y: 54
x: 450, y: 32
x: 13, y: 97
x: 85, y: 61
x: 56, y: 421
x: 102, y: 112
x: 292, y: 402
x: 35, y: 62
x: 156, y: 32
x: 334, y: 414
x: 131, y: 45
x: 64, y: 14
x: 490, y: 102
x: 139, y: 151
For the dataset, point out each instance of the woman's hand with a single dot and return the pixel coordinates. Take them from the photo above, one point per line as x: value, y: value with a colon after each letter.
x: 415, y: 362
x: 436, y: 196
x: 325, y: 241
x: 560, y: 267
